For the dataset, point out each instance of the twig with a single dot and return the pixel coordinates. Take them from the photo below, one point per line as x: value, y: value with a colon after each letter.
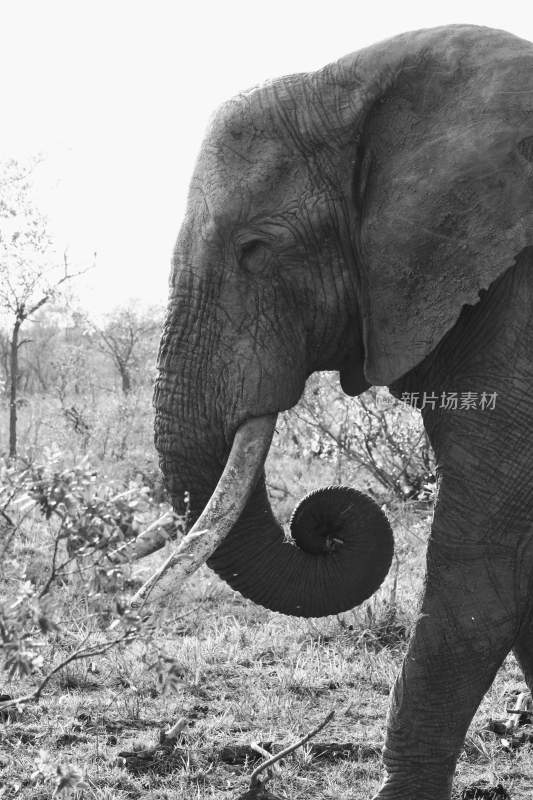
x: 175, y: 730
x: 53, y: 572
x: 261, y: 750
x: 272, y: 760
x: 155, y: 536
x: 167, y: 743
x: 79, y: 653
x: 523, y: 705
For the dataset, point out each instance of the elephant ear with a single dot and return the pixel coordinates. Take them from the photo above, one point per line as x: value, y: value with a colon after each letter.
x: 444, y: 189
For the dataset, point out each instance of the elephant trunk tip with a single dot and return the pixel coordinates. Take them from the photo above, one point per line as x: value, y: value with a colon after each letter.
x: 351, y: 533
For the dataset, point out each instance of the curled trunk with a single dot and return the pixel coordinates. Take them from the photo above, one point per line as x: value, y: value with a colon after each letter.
x: 342, y: 543
x: 341, y: 552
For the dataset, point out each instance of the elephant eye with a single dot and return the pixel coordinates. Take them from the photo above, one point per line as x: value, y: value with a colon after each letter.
x: 254, y: 256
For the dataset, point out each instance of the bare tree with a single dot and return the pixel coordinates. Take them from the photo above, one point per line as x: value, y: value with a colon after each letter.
x: 4, y: 360
x: 126, y: 338
x: 31, y: 274
x: 43, y: 336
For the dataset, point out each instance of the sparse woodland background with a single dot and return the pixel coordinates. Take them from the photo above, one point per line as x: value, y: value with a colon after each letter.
x: 79, y: 479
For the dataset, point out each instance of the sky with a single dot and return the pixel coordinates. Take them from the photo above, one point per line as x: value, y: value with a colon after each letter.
x: 116, y: 96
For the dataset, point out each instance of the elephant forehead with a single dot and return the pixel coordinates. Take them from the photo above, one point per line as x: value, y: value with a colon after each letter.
x: 238, y: 178
x: 258, y: 138
x: 227, y: 167
x: 242, y: 132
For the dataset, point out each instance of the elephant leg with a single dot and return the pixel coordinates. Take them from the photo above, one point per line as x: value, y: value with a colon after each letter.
x: 523, y: 650
x: 467, y: 625
x: 479, y: 580
x: 475, y: 601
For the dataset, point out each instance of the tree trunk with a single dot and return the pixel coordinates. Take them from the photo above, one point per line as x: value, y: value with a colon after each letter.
x: 13, y: 389
x: 125, y: 378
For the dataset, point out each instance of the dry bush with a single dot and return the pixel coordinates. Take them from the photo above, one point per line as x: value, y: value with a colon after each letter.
x: 373, y: 442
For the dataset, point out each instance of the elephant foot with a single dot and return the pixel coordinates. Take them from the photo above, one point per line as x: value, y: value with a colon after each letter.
x: 420, y: 784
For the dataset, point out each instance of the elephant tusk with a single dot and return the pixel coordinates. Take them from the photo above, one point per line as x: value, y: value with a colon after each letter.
x: 240, y: 475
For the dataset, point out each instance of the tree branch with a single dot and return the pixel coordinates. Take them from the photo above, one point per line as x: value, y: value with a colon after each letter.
x: 266, y: 764
x: 78, y: 654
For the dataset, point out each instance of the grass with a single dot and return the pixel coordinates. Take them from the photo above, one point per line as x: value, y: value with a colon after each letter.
x: 236, y: 672
x: 239, y: 674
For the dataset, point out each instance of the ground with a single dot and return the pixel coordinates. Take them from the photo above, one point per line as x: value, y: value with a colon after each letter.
x: 239, y: 673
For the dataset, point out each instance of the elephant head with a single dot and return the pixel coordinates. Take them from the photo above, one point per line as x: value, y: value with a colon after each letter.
x: 336, y: 220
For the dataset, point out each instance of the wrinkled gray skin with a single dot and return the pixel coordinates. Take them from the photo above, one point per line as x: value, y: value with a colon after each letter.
x: 376, y: 218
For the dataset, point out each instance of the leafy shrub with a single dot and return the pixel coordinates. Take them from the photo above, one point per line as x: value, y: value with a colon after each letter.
x: 83, y: 522
x: 373, y: 442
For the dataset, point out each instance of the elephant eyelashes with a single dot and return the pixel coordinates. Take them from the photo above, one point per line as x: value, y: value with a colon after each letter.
x: 254, y: 256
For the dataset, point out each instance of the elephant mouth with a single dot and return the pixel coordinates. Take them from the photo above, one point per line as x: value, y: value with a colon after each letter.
x: 233, y: 490
x: 239, y: 478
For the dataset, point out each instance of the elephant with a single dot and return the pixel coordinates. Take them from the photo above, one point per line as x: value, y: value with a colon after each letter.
x: 373, y: 218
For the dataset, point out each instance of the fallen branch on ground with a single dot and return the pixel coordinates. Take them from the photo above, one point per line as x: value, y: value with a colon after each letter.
x: 257, y: 789
x: 521, y: 713
x: 517, y: 729
x: 238, y: 754
x: 142, y: 760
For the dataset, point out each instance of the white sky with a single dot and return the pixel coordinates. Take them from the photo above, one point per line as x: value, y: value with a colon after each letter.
x: 117, y: 94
